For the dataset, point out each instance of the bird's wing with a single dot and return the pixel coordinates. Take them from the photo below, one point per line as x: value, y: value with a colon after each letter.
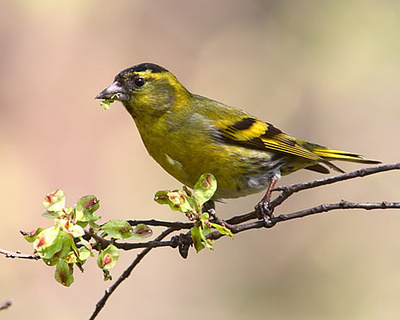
x: 252, y: 133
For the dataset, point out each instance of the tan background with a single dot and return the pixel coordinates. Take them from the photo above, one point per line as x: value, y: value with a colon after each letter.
x: 324, y: 71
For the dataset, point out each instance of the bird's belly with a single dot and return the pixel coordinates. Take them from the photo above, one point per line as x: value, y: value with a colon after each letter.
x: 239, y: 171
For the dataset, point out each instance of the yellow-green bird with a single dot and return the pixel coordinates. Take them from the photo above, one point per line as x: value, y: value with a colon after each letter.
x: 189, y: 135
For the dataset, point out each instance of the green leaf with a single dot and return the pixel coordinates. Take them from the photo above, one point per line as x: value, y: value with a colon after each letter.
x: 48, y: 242
x: 71, y: 257
x: 86, y: 244
x: 205, y: 188
x: 197, y: 238
x: 84, y: 253
x: 118, y: 229
x: 75, y: 230
x: 108, y: 258
x: 52, y: 214
x: 64, y: 273
x: 204, y: 216
x: 106, y: 102
x: 141, y: 231
x: 85, y: 208
x: 52, y: 261
x: 52, y: 244
x: 54, y: 201
x: 222, y: 229
x: 177, y: 201
x: 31, y: 236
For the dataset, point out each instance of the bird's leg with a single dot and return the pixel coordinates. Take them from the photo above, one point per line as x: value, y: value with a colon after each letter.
x: 262, y: 208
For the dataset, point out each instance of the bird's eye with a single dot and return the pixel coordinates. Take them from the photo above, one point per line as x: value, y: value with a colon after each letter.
x: 139, y: 82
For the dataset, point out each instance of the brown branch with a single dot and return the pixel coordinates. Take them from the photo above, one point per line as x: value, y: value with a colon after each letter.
x: 147, y: 244
x: 342, y: 205
x: 174, y: 226
x: 157, y: 223
x: 289, y: 190
x: 236, y: 224
x: 19, y: 255
x: 109, y: 291
x: 5, y: 304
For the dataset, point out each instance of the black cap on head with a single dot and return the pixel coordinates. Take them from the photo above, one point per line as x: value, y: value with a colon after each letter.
x: 148, y: 66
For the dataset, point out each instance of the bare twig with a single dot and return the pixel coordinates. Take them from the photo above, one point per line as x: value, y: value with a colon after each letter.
x: 343, y: 204
x: 101, y: 303
x: 5, y: 304
x: 288, y: 190
x: 19, y: 255
x: 147, y: 244
x: 157, y: 223
x: 175, y: 226
x: 236, y: 224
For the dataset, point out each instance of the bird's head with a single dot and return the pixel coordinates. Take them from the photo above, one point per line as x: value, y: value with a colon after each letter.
x: 145, y: 88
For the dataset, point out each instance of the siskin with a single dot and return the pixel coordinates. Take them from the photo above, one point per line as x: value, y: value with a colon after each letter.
x: 189, y: 135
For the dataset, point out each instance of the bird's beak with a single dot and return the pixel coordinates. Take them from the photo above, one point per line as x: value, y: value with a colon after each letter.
x: 115, y: 92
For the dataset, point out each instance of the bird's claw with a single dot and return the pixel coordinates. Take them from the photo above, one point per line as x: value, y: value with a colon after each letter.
x: 265, y: 212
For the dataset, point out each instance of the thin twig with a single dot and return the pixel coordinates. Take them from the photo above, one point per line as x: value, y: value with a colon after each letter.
x: 104, y: 243
x: 157, y: 223
x: 101, y: 303
x: 288, y: 190
x: 236, y: 224
x: 343, y: 204
x: 148, y: 244
x: 5, y: 304
x: 19, y: 255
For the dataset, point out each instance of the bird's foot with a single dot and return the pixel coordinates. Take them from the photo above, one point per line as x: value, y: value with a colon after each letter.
x: 265, y: 212
x: 263, y: 208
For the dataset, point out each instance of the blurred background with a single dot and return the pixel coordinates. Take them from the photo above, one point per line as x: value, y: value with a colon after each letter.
x: 323, y: 71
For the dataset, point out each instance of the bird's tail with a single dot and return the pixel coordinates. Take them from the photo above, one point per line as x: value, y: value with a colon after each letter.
x: 332, y: 154
x: 329, y: 155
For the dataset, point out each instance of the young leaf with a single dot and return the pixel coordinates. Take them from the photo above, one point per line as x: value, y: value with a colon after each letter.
x: 118, y: 229
x: 75, y: 230
x: 84, y: 253
x: 85, y: 208
x: 108, y: 258
x: 141, y: 231
x: 176, y: 199
x: 106, y: 102
x: 64, y: 273
x: 54, y: 201
x: 222, y: 229
x: 48, y: 242
x: 31, y: 236
x: 205, y: 188
x: 52, y: 214
x: 197, y: 238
